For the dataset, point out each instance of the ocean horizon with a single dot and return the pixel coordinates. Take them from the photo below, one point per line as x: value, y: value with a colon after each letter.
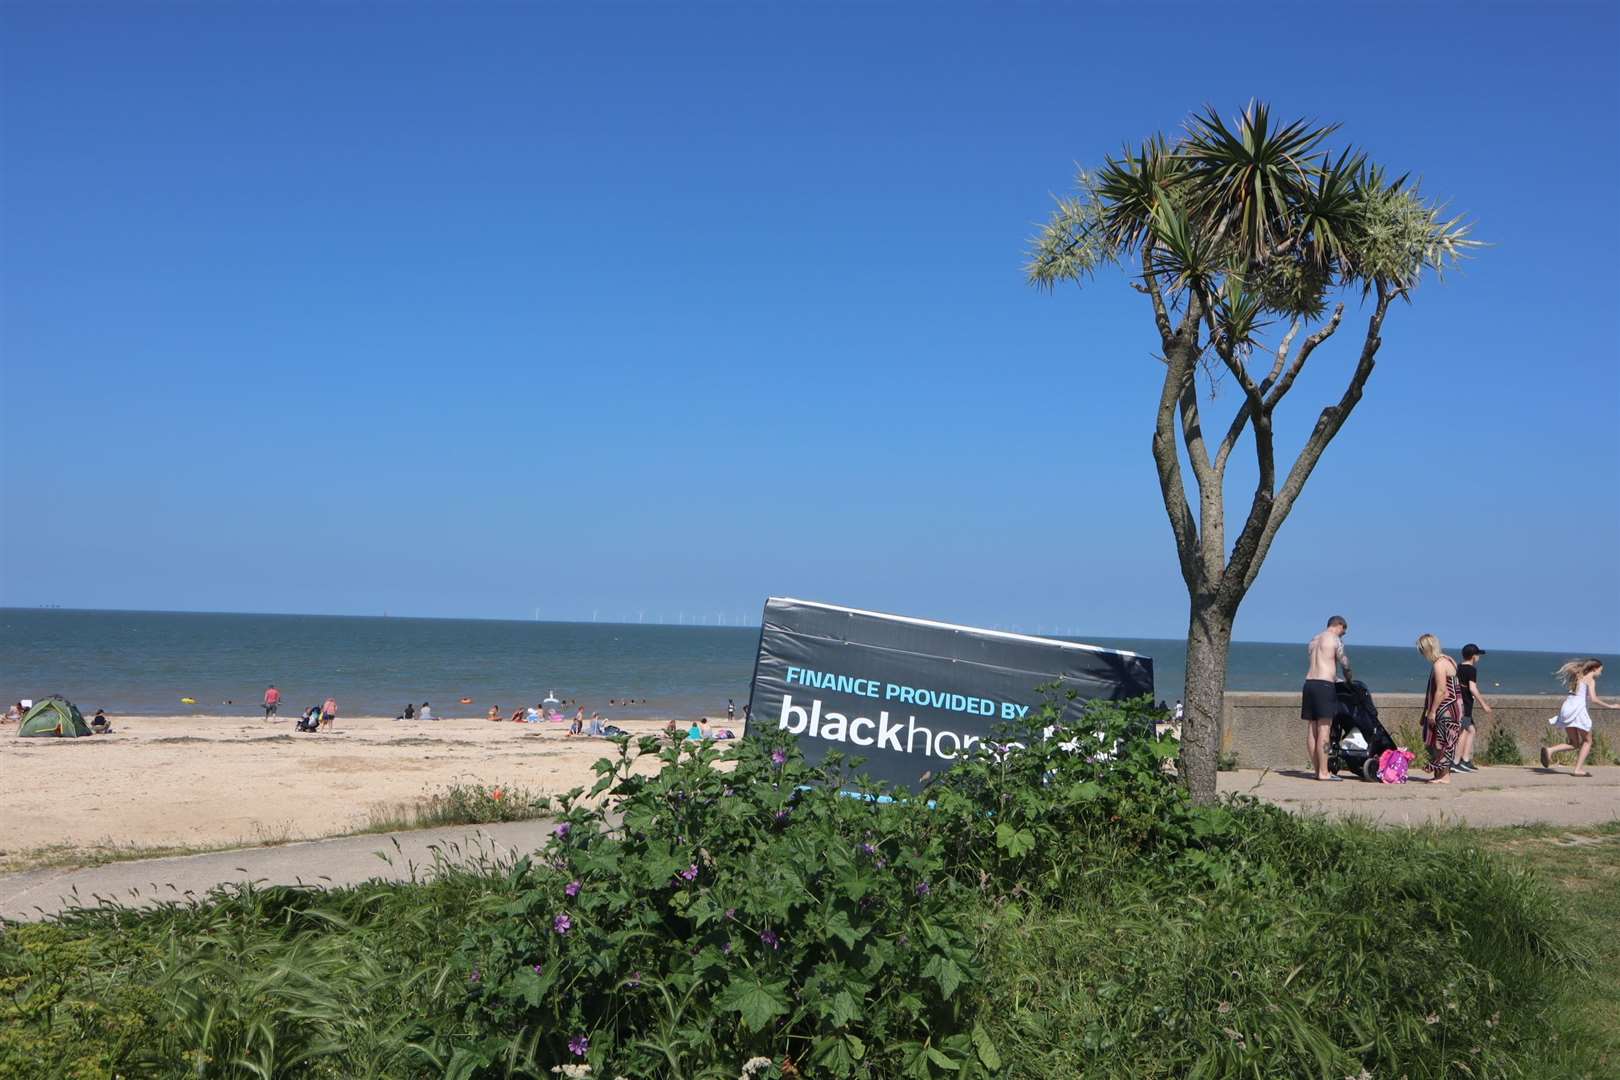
x: 144, y: 662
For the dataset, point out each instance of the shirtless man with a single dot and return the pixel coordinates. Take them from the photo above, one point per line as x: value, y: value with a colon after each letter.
x: 1318, y: 703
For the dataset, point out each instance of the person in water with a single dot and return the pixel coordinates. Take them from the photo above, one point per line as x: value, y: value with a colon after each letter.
x: 1574, y: 720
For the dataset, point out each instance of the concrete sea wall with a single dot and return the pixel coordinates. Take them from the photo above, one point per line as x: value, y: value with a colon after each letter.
x: 1265, y: 731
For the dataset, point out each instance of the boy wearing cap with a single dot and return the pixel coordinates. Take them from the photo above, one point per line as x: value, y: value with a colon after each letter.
x: 1468, y: 676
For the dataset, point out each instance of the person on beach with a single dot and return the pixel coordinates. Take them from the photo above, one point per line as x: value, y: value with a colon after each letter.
x: 731, y: 710
x: 329, y: 713
x: 15, y: 713
x: 1442, y: 710
x: 1468, y: 677
x: 272, y: 698
x: 1318, y: 703
x: 494, y: 713
x: 1574, y: 722
x: 425, y: 712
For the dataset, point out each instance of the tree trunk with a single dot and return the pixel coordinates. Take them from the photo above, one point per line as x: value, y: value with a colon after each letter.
x: 1209, y: 636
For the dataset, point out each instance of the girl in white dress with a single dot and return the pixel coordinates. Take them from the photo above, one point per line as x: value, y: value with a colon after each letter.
x: 1573, y: 720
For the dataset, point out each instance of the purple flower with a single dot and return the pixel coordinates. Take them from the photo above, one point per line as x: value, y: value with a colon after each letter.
x: 781, y: 816
x: 571, y: 890
x: 578, y: 1045
x: 690, y: 873
x: 904, y: 941
x: 778, y: 758
x: 475, y: 976
x: 867, y: 849
x: 634, y: 980
x: 881, y: 863
x: 562, y: 924
x: 731, y: 913
x: 538, y: 968
x: 726, y: 948
x: 923, y: 889
x: 769, y: 937
x: 561, y: 830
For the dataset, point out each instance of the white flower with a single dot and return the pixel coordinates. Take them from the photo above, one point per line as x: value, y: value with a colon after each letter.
x: 754, y: 1065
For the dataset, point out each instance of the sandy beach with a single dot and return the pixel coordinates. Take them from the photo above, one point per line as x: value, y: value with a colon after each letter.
x: 200, y: 782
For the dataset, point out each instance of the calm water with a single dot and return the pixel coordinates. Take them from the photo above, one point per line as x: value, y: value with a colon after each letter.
x: 145, y: 662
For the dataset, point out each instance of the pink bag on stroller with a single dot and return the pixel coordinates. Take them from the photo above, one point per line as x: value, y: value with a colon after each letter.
x: 1392, y: 765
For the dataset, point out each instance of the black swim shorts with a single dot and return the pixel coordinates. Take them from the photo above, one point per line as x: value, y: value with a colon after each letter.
x: 1317, y: 701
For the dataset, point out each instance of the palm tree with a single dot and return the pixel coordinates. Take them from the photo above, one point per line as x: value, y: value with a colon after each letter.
x: 1231, y: 230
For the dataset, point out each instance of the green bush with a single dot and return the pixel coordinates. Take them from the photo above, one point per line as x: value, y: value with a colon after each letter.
x: 481, y: 804
x: 1501, y: 748
x: 1057, y: 910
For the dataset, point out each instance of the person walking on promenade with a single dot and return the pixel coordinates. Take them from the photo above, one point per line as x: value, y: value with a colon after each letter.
x: 272, y: 698
x: 1573, y: 720
x: 329, y: 712
x: 1468, y: 678
x: 1318, y: 703
x: 1442, y: 710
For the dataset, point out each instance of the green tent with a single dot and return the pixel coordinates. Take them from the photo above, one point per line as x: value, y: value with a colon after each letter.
x: 53, y: 716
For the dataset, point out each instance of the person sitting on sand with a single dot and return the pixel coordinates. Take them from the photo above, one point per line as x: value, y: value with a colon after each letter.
x: 577, y: 724
x: 99, y: 724
x: 595, y: 725
x: 699, y: 730
x: 494, y: 712
x: 15, y: 713
x: 425, y: 712
x: 408, y: 714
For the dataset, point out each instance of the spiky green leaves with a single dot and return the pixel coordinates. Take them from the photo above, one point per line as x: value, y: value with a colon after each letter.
x: 1250, y: 209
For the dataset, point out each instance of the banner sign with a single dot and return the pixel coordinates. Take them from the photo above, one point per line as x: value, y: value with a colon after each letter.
x: 911, y: 696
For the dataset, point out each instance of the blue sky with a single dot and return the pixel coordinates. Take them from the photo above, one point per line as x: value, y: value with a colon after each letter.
x: 477, y: 309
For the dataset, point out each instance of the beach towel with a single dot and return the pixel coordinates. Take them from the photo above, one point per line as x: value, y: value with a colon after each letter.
x: 1392, y: 765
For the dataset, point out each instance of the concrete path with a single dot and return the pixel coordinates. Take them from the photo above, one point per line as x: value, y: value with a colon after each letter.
x: 1503, y: 795
x: 1497, y: 796
x: 345, y: 860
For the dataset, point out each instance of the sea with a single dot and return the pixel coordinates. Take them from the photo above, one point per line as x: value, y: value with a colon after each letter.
x: 145, y: 662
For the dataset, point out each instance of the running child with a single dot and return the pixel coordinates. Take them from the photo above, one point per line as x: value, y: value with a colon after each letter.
x: 1573, y: 720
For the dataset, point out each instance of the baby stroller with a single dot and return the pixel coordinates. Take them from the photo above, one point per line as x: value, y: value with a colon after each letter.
x: 1357, y: 740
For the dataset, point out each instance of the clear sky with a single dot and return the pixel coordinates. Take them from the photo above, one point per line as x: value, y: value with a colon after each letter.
x: 475, y: 309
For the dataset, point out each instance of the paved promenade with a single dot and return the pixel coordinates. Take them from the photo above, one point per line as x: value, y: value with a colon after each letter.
x: 1505, y: 795
x: 344, y: 860
x: 1499, y: 796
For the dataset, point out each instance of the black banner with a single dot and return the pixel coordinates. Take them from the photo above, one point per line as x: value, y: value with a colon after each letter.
x: 910, y: 695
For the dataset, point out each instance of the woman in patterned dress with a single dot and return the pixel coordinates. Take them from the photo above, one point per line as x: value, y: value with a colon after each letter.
x: 1442, y: 709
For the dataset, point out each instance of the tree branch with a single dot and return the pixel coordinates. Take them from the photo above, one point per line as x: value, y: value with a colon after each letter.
x: 1253, y: 553
x: 1305, y: 351
x: 1181, y: 354
x: 1160, y: 315
x: 1235, y: 431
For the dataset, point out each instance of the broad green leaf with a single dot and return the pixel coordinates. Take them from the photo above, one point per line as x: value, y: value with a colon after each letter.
x: 986, y: 1049
x: 755, y: 1001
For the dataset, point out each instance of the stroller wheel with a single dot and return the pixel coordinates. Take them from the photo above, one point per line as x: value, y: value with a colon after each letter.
x: 1369, y: 770
x: 1334, y: 764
